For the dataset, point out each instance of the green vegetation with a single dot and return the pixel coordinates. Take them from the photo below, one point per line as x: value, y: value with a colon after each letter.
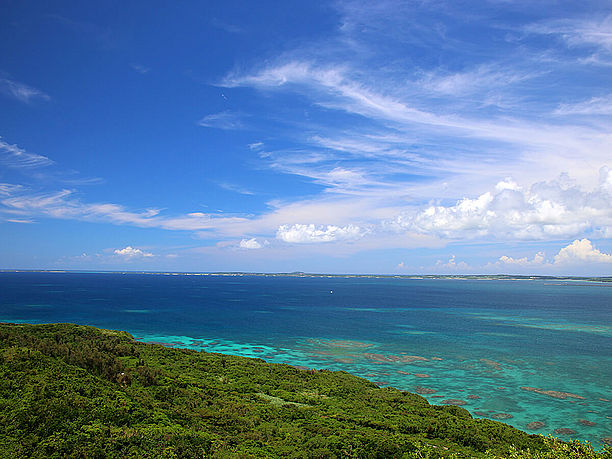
x: 76, y: 391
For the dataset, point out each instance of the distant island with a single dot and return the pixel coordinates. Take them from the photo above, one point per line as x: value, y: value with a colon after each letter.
x: 78, y: 391
x: 347, y: 276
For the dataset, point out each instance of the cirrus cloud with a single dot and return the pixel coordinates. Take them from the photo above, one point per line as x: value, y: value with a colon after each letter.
x: 15, y: 157
x: 20, y: 91
x: 223, y: 120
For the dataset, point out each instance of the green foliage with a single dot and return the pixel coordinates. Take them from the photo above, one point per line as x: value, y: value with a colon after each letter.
x: 75, y: 391
x: 557, y: 449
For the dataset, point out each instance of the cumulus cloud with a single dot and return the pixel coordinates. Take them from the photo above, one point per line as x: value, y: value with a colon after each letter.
x: 581, y: 251
x: 452, y: 264
x: 302, y: 234
x: 555, y: 209
x: 252, y: 243
x: 558, y: 209
x: 131, y: 252
x: 537, y: 260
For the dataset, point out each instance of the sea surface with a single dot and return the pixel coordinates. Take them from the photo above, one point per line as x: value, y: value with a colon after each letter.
x: 536, y: 354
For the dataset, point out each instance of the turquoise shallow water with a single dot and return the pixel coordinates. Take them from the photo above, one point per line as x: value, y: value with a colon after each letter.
x: 516, y: 351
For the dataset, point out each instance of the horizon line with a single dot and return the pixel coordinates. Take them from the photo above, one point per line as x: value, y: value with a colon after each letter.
x: 309, y: 274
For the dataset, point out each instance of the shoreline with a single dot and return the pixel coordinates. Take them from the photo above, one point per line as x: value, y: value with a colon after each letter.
x: 459, y: 397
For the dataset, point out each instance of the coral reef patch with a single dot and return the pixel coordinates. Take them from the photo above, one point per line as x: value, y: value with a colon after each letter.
x: 552, y: 393
x: 536, y: 425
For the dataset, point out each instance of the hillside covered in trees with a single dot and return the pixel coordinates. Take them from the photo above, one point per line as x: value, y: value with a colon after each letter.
x: 77, y: 391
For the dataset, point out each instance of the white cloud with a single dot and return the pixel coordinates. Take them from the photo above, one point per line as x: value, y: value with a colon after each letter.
x: 256, y: 146
x: 63, y: 204
x: 19, y: 220
x: 546, y: 210
x: 413, y: 146
x: 53, y: 204
x: 250, y: 244
x: 580, y: 252
x: 452, y: 264
x: 579, y: 32
x: 460, y: 143
x: 300, y: 234
x: 537, y: 260
x: 480, y: 79
x: 272, y: 76
x: 20, y: 91
x: 222, y: 120
x: 131, y: 252
x: 333, y: 87
x: 593, y: 106
x: 15, y: 157
x: 591, y: 34
x: 7, y: 189
x: 235, y: 188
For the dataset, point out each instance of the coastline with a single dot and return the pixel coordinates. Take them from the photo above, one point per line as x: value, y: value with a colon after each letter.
x: 250, y: 394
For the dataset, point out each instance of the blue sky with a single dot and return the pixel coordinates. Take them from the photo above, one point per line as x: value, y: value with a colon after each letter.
x: 344, y: 137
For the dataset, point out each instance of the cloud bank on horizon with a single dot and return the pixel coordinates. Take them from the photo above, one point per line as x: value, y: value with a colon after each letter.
x: 345, y: 136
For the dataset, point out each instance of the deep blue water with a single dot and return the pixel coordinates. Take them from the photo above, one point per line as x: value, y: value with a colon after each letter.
x: 485, y: 339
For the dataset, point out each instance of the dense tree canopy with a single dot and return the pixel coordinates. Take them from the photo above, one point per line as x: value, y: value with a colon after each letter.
x: 77, y: 391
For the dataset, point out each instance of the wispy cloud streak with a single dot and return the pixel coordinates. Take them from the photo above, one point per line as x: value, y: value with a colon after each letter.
x: 593, y: 106
x: 15, y: 157
x: 20, y: 91
x: 223, y: 120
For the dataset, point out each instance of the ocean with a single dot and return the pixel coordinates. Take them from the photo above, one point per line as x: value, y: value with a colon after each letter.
x: 536, y: 354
